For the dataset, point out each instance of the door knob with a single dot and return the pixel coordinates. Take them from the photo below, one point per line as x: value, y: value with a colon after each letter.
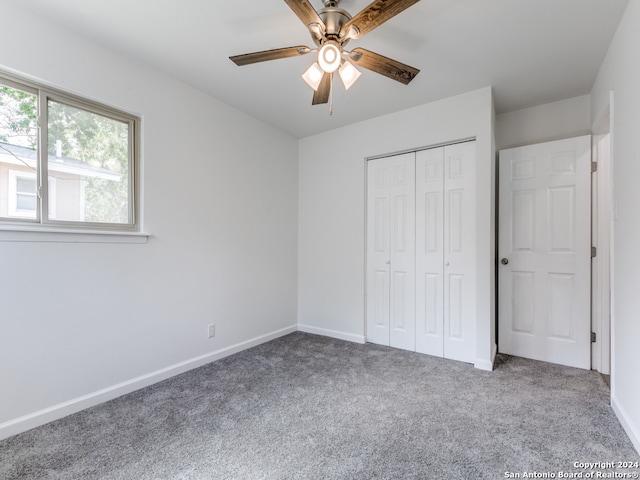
x: 446, y: 264
x: 504, y: 261
x: 388, y: 262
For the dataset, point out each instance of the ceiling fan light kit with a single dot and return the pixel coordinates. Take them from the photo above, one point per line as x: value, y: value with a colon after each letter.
x: 331, y: 29
x: 348, y: 74
x: 329, y: 56
x: 313, y: 76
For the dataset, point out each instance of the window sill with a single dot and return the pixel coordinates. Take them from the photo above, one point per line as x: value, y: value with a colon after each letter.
x: 53, y: 235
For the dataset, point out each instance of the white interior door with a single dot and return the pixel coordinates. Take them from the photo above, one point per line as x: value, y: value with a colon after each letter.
x: 544, y: 247
x: 391, y: 251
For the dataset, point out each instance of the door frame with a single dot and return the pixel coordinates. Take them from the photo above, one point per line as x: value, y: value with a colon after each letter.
x: 602, y: 238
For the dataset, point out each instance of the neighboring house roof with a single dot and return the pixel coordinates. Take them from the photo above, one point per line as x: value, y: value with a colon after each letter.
x: 25, y: 156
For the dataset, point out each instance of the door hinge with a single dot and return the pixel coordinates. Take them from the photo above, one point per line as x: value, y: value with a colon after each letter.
x: 593, y: 337
x: 593, y: 252
x: 594, y: 167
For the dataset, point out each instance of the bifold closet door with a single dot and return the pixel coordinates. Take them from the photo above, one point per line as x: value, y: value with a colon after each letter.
x: 445, y: 251
x: 391, y: 251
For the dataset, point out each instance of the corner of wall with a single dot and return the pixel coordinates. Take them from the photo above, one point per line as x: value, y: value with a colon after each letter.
x: 325, y: 332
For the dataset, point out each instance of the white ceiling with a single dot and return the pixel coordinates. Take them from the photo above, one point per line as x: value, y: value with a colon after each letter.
x: 531, y: 51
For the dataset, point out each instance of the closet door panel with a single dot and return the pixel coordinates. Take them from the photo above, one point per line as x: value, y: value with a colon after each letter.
x: 391, y: 251
x: 378, y: 230
x: 459, y: 251
x: 402, y: 253
x: 429, y: 251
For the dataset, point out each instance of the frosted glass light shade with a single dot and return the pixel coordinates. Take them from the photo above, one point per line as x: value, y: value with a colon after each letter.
x: 348, y: 74
x: 329, y: 56
x: 313, y: 76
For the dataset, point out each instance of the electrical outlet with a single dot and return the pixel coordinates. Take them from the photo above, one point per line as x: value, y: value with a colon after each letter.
x: 211, y: 330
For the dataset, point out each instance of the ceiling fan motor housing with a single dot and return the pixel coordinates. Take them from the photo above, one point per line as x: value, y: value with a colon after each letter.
x: 334, y: 18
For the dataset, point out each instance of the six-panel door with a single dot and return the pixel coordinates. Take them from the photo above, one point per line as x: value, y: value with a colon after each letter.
x: 545, y: 240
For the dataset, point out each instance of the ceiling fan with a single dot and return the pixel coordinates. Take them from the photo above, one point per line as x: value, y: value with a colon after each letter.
x: 331, y: 29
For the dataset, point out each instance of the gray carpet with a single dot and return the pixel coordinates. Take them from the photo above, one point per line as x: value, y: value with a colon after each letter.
x: 309, y: 407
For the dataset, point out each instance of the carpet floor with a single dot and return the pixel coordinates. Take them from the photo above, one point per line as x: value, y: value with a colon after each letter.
x: 311, y: 407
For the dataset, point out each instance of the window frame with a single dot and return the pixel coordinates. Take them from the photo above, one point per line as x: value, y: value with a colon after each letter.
x: 45, y: 217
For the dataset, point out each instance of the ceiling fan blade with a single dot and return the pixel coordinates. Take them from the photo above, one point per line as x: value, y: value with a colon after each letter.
x: 378, y: 12
x: 265, y: 55
x: 383, y: 65
x: 305, y: 12
x: 322, y: 94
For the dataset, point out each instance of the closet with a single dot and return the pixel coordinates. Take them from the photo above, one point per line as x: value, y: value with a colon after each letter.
x: 420, y: 279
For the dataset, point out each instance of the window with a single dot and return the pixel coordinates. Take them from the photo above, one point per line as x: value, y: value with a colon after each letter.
x: 22, y: 199
x: 65, y: 162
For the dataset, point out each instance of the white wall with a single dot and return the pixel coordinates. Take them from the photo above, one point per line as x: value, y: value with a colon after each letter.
x: 620, y: 73
x: 543, y: 123
x: 80, y: 323
x: 332, y: 211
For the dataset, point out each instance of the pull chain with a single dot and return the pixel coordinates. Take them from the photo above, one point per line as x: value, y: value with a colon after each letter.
x: 331, y: 94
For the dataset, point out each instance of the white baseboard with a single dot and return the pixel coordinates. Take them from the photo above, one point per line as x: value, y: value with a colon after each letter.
x: 349, y: 337
x: 55, y: 412
x: 482, y: 364
x: 629, y: 428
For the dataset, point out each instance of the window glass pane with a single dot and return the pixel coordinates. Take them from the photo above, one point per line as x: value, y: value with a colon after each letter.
x: 88, y: 156
x: 25, y: 185
x: 18, y: 141
x: 26, y: 202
